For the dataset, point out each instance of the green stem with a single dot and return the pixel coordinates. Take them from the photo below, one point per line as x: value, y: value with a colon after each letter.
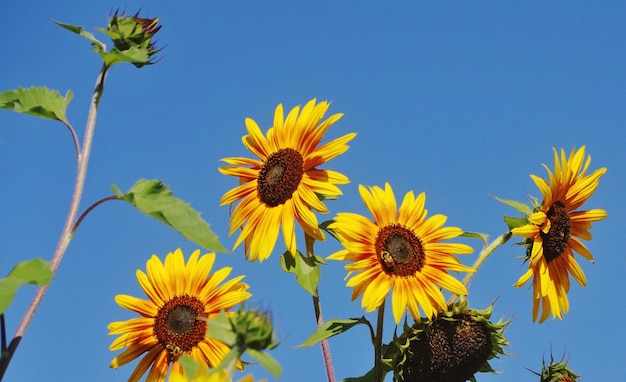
x: 67, y: 233
x: 378, y: 344
x: 482, y: 257
x: 89, y: 209
x: 328, y: 362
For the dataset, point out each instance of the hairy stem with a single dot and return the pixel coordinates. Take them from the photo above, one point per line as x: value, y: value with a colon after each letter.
x: 67, y: 233
x: 482, y: 257
x: 378, y: 343
x: 328, y: 362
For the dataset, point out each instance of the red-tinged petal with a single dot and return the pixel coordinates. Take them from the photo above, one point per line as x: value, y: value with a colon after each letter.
x: 159, y: 368
x: 580, y: 248
x: 239, y: 161
x: 255, y: 141
x: 143, y: 307
x: 189, y: 285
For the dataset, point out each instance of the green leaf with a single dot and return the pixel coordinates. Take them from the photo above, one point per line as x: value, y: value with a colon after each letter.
x: 98, y: 46
x: 36, y: 271
x: 306, y: 269
x: 518, y: 206
x: 38, y: 101
x: 191, y: 366
x: 476, y: 235
x: 514, y: 222
x: 230, y: 359
x: 220, y: 328
x: 369, y: 377
x: 153, y: 198
x: 332, y: 328
x: 266, y: 361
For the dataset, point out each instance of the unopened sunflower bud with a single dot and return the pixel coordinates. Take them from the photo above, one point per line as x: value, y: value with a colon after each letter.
x: 254, y: 330
x: 132, y: 37
x: 557, y: 372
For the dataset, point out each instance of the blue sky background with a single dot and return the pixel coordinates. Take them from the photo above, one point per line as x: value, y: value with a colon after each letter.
x: 461, y: 100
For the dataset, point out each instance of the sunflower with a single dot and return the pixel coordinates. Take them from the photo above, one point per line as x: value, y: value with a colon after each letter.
x: 285, y: 183
x: 178, y: 294
x: 453, y: 346
x: 554, y: 231
x: 400, y: 251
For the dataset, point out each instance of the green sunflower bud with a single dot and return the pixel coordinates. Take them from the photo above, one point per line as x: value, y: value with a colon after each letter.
x: 557, y: 372
x: 253, y: 330
x: 132, y: 38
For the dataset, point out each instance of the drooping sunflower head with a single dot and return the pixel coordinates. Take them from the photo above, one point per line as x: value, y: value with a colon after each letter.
x: 181, y: 297
x: 555, y: 229
x: 284, y: 184
x: 451, y: 347
x: 401, y: 252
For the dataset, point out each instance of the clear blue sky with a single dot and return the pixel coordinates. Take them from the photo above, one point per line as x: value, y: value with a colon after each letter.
x: 460, y: 100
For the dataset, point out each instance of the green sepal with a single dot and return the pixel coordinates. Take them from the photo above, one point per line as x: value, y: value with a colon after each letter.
x: 135, y: 55
x: 324, y: 198
x: 518, y: 206
x: 267, y: 361
x: 38, y: 101
x: 331, y: 328
x: 557, y: 371
x: 155, y: 199
x: 476, y: 235
x: 306, y: 269
x: 369, y: 377
x: 514, y: 222
x: 325, y: 226
x: 139, y: 54
x: 36, y: 272
x: 98, y: 46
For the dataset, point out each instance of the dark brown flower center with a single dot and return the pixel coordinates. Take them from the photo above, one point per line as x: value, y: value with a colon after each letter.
x: 555, y: 241
x: 401, y: 251
x: 280, y: 176
x: 177, y: 326
x: 450, y: 351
